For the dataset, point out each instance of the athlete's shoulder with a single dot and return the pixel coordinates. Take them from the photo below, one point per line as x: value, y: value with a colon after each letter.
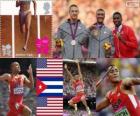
x: 108, y: 94
x: 107, y: 28
x: 81, y: 81
x: 127, y: 82
x: 5, y: 77
x: 126, y: 79
x: 126, y: 27
x: 81, y: 23
x: 7, y: 74
x: 23, y: 76
x: 63, y: 24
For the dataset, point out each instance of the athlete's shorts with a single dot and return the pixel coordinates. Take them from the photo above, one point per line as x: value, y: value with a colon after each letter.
x: 23, y: 15
x: 15, y: 109
x: 79, y: 96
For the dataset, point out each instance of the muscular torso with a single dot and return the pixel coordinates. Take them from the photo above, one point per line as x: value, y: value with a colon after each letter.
x: 78, y: 86
x: 16, y: 86
x: 24, y: 5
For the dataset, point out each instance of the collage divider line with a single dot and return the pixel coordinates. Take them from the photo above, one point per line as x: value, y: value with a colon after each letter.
x: 13, y: 37
x: 38, y: 30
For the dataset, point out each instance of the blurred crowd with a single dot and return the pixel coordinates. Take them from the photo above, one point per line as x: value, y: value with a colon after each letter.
x: 79, y: 113
x: 88, y: 9
x: 88, y: 78
x: 127, y: 68
x: 3, y: 98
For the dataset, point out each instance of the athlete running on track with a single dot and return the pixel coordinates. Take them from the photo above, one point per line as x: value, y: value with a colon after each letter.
x: 16, y: 84
x: 78, y: 85
x: 123, y: 96
x: 25, y: 17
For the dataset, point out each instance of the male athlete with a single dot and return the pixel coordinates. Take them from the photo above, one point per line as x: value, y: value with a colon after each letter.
x: 99, y: 35
x: 16, y: 84
x: 71, y: 32
x: 124, y: 39
x: 25, y: 17
x: 123, y: 96
x: 78, y: 85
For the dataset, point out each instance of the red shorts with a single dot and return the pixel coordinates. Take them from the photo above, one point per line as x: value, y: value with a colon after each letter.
x: 15, y: 109
x: 78, y: 97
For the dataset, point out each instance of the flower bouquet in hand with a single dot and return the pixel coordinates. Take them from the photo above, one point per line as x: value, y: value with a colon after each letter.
x: 107, y: 49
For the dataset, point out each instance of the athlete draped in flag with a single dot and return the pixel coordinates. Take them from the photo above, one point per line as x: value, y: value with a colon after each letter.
x: 123, y: 96
x: 78, y: 85
x: 16, y: 84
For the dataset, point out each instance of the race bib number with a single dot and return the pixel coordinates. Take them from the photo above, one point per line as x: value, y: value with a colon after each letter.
x: 78, y: 88
x: 122, y: 112
x: 18, y: 90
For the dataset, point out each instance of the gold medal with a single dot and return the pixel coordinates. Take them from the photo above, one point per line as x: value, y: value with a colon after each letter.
x: 96, y: 33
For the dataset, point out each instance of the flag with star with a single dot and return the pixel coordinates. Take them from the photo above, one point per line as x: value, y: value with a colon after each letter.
x: 49, y: 87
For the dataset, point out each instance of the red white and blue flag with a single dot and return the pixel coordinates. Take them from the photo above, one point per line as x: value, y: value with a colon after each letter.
x: 49, y: 87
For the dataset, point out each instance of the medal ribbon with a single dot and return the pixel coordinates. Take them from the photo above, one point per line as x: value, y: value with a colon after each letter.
x: 73, y: 34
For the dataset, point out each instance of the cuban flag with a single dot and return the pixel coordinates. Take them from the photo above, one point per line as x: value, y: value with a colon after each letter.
x: 49, y: 87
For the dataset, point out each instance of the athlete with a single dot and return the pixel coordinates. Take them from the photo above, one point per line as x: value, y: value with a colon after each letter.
x: 124, y: 38
x: 25, y: 17
x: 16, y: 83
x: 78, y: 85
x: 72, y: 32
x: 123, y: 96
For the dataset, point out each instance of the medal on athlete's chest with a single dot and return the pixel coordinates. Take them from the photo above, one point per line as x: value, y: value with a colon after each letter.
x: 73, y: 42
x: 96, y: 33
x: 73, y: 33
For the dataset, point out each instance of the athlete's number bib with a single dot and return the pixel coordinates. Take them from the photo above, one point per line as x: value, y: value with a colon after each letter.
x: 18, y: 90
x: 78, y: 88
x: 122, y: 112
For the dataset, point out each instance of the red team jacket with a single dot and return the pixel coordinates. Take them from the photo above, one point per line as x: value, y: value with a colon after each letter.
x: 129, y: 49
x: 124, y: 104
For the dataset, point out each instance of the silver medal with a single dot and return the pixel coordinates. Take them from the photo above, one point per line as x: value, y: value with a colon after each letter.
x: 73, y: 42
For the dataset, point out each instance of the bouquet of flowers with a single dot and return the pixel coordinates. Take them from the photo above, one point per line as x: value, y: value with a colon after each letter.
x: 107, y: 49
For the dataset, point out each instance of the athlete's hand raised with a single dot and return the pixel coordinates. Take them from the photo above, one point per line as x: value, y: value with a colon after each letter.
x: 30, y: 71
x: 76, y: 61
x: 65, y: 66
